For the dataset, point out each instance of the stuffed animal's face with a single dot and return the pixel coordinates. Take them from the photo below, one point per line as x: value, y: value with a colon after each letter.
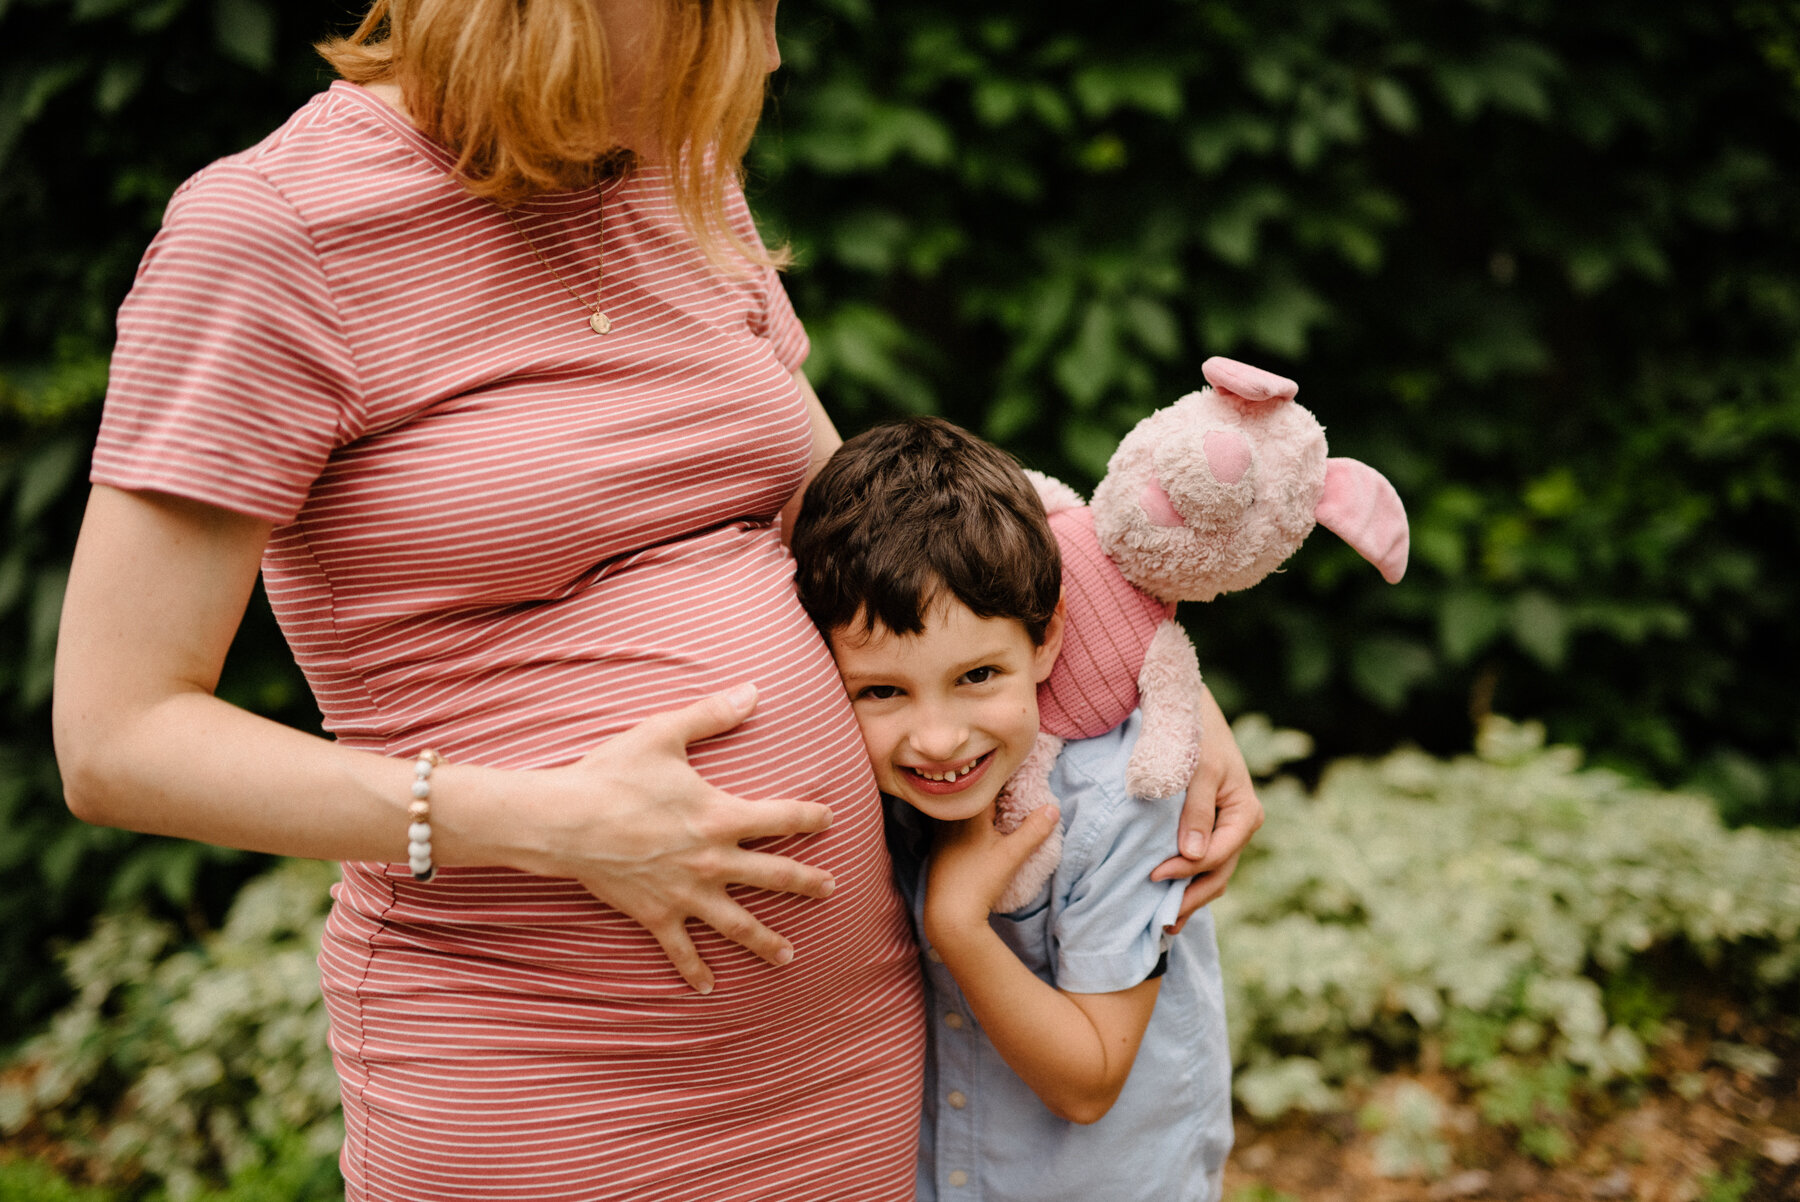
x: 1211, y: 494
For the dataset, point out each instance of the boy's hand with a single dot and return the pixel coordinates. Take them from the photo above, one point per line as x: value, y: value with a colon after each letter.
x: 971, y: 865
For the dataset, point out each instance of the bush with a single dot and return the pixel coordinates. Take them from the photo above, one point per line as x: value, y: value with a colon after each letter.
x: 1500, y: 908
x: 192, y: 1065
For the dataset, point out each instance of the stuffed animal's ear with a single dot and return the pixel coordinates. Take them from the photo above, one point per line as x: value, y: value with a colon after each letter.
x: 1246, y: 382
x: 1362, y: 508
x: 1055, y: 495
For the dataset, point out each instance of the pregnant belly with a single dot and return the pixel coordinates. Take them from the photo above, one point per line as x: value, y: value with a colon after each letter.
x: 546, y: 685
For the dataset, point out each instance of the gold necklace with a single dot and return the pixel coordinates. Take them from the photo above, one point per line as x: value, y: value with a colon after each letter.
x: 599, y: 322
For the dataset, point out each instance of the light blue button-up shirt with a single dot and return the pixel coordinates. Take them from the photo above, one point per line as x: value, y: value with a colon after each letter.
x: 1097, y: 927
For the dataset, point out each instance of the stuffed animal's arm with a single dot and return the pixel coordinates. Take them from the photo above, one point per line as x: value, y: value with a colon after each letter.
x: 1169, y: 696
x: 1027, y: 789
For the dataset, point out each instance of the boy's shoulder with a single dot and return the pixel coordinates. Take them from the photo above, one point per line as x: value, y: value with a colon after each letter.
x: 1089, y: 775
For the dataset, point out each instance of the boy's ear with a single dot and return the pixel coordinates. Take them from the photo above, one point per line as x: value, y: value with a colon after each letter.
x: 1044, y: 657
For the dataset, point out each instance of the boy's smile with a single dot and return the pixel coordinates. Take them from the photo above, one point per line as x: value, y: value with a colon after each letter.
x: 950, y: 712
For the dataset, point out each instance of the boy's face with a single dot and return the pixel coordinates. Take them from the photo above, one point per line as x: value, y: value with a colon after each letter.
x: 947, y: 713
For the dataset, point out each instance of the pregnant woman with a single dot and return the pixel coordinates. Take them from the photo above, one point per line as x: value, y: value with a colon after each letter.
x: 479, y: 360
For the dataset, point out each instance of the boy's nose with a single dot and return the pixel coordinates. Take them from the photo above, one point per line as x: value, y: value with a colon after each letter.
x: 939, y: 736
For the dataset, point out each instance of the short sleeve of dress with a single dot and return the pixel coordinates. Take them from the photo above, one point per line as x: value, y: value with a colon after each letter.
x: 1108, y: 934
x: 231, y: 379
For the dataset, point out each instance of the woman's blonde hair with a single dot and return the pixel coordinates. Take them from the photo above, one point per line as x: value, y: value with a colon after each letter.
x: 518, y: 90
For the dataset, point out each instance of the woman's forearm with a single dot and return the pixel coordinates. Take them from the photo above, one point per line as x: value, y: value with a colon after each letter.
x: 194, y: 767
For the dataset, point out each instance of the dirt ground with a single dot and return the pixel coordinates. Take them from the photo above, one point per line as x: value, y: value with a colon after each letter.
x: 1700, y: 1130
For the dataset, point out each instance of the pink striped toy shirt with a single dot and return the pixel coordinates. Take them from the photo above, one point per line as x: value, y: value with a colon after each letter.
x: 502, y: 536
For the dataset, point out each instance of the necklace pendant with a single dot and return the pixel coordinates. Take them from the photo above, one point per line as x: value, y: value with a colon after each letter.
x: 600, y: 323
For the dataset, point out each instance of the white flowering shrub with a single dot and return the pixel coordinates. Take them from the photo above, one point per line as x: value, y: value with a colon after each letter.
x: 1483, y: 903
x: 191, y: 1064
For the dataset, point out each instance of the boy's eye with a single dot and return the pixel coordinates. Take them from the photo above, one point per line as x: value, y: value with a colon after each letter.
x: 980, y: 675
x: 877, y: 692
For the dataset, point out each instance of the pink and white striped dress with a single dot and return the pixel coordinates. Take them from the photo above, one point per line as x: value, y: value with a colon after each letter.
x: 504, y: 537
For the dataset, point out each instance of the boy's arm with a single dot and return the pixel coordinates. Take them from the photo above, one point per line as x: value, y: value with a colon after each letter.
x: 1073, y: 1049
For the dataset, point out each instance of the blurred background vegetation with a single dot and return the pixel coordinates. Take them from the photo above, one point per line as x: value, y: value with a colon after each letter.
x: 1537, y: 262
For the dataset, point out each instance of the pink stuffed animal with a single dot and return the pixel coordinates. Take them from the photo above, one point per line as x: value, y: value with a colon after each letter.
x: 1207, y: 496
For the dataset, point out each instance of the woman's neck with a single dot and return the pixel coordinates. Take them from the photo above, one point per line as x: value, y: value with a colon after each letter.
x: 389, y: 94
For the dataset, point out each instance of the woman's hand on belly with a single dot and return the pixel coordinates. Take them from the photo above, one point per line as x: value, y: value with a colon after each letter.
x: 646, y: 834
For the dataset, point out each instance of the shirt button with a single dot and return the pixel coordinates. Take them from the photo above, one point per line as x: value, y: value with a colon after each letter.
x: 957, y: 1099
x: 953, y: 1020
x: 958, y: 1177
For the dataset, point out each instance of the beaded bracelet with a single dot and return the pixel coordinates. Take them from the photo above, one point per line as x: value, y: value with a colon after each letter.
x: 418, y: 834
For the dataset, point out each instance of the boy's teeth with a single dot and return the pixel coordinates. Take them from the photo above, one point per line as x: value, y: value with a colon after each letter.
x: 951, y: 775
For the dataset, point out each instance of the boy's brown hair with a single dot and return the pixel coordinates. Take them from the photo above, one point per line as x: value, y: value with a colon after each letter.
x: 909, y: 511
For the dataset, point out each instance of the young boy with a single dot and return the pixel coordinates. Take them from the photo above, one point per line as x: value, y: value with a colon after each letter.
x: 1076, y: 1051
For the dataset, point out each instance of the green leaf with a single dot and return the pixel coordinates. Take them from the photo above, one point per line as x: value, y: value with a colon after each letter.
x: 1090, y: 362
x: 1101, y: 154
x: 1540, y: 626
x: 1231, y: 227
x: 27, y: 91
x: 47, y: 473
x: 1468, y: 621
x: 118, y: 83
x: 93, y: 10
x: 1393, y: 104
x: 1385, y: 669
x: 150, y: 15
x: 996, y: 101
x: 40, y: 649
x: 1089, y: 445
x: 1283, y: 313
x: 1104, y: 88
x: 1213, y: 143
x: 1154, y: 326
x: 245, y: 31
x: 1554, y: 495
x: 13, y: 574
x: 1009, y: 416
x: 870, y: 239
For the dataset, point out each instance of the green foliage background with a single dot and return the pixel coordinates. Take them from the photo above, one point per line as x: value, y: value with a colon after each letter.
x: 1537, y: 262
